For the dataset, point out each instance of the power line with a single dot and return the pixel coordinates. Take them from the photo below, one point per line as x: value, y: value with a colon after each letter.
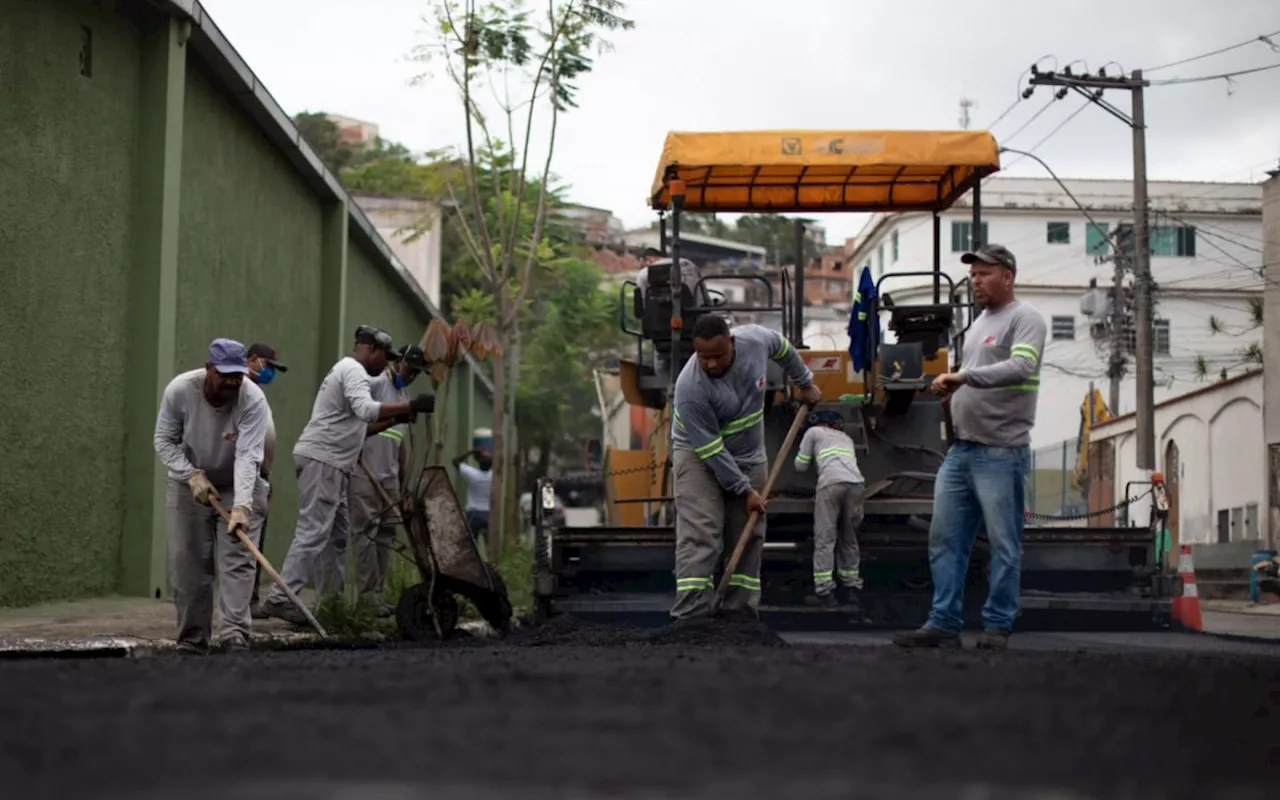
x: 1052, y: 133
x: 1227, y: 76
x: 1264, y: 38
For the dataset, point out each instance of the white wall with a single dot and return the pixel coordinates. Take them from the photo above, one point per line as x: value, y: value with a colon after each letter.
x: 1221, y: 465
x: 392, y: 216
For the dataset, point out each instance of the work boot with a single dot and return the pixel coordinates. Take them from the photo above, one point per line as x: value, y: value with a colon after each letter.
x: 285, y: 611
x: 824, y: 600
x: 927, y: 636
x: 191, y: 649
x: 256, y: 612
x: 993, y: 639
x: 235, y: 644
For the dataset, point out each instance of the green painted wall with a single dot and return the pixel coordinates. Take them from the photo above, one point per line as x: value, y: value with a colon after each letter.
x: 149, y: 214
x: 68, y: 164
x: 249, y: 268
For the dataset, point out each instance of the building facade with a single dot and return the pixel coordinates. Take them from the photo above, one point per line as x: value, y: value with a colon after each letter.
x: 412, y: 229
x: 1208, y: 449
x: 1206, y: 241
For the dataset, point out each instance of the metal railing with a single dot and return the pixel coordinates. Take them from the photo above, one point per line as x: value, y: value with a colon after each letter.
x: 1051, y: 488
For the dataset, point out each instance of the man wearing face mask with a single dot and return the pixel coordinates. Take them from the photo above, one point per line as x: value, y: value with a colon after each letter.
x: 373, y: 525
x: 209, y: 433
x: 327, y: 452
x: 263, y: 368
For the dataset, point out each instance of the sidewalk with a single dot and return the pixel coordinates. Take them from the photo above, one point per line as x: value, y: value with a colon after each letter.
x: 109, y: 625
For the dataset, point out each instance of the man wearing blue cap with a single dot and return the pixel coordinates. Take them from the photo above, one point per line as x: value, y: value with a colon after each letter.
x: 210, y: 432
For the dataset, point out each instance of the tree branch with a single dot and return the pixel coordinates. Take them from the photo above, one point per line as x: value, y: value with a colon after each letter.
x: 556, y: 31
x: 472, y: 180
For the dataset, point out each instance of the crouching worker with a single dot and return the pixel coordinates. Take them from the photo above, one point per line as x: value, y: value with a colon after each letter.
x: 719, y: 461
x: 837, y: 508
x: 385, y: 454
x: 209, y: 433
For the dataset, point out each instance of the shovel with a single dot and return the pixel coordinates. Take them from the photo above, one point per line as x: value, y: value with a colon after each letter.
x: 741, y: 546
x: 275, y: 576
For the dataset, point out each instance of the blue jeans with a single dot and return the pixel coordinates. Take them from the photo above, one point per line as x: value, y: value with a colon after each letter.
x: 977, y: 483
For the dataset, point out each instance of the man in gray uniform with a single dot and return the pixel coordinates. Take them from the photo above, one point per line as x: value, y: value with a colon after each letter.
x: 719, y: 461
x: 373, y: 525
x: 342, y: 416
x: 209, y: 433
x: 263, y: 368
x: 993, y: 408
x: 837, y: 507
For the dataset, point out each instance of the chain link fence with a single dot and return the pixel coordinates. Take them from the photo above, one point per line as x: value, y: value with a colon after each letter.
x: 1052, y: 490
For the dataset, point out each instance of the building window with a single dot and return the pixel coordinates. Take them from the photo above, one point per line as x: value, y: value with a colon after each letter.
x: 962, y: 236
x: 1058, y: 233
x: 1251, y: 522
x: 1177, y: 242
x: 1160, y: 344
x: 1064, y: 329
x: 893, y: 241
x: 1095, y: 239
x: 880, y: 258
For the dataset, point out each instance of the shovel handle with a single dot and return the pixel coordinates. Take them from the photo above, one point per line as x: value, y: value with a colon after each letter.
x: 774, y: 471
x: 275, y: 576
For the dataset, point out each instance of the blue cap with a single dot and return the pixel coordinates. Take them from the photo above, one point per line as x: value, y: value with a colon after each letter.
x: 228, y: 356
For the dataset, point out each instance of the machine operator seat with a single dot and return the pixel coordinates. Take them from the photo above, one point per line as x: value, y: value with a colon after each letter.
x: 930, y: 325
x: 654, y: 306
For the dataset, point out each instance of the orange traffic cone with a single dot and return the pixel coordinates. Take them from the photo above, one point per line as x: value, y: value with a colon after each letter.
x: 1186, y: 609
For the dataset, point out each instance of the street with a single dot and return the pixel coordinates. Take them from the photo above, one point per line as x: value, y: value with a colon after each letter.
x: 579, y: 711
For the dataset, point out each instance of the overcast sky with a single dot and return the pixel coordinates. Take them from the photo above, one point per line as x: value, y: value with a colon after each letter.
x: 844, y: 64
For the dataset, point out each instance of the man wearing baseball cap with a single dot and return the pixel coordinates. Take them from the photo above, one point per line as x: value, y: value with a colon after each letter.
x: 993, y: 408
x: 209, y: 432
x: 344, y: 413
x: 386, y: 456
x: 263, y: 368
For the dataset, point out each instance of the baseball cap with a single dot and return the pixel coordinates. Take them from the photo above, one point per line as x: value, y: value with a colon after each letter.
x: 227, y: 356
x: 268, y: 354
x: 992, y: 254
x: 412, y: 355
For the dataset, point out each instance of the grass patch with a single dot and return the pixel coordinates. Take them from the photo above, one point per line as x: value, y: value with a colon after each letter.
x: 345, y: 617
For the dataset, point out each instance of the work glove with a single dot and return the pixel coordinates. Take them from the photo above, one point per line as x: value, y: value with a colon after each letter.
x: 201, y: 489
x: 239, y: 521
x: 423, y: 404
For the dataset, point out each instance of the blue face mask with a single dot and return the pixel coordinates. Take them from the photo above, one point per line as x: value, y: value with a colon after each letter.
x: 398, y: 381
x: 266, y: 375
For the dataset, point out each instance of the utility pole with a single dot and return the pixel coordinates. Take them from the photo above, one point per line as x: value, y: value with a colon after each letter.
x: 1271, y: 349
x: 965, y: 105
x: 1119, y: 334
x: 1144, y: 373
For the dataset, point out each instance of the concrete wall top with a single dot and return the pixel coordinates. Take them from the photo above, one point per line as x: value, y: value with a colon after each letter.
x: 227, y: 67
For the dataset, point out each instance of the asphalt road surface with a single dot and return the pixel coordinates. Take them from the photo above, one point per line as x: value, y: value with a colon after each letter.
x: 572, y: 711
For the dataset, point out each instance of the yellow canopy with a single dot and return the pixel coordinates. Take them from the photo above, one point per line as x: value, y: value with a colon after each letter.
x: 823, y: 171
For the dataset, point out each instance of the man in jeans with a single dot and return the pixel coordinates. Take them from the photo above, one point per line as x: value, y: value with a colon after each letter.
x: 993, y: 408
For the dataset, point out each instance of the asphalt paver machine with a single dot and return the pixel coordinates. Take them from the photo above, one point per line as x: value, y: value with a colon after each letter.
x: 625, y: 569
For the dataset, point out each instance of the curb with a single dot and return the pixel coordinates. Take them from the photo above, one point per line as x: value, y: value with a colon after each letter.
x: 95, y: 647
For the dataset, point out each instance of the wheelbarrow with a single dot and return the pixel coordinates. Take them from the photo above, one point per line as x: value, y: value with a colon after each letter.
x: 449, y: 560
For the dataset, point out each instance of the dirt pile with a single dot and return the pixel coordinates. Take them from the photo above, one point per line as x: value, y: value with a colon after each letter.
x: 717, y: 632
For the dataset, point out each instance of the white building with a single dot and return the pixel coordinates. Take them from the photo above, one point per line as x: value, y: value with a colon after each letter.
x: 1208, y: 447
x: 397, y: 219
x: 1206, y: 240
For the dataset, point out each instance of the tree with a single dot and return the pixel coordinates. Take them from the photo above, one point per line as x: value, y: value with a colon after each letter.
x: 1250, y: 355
x: 487, y: 46
x: 322, y: 134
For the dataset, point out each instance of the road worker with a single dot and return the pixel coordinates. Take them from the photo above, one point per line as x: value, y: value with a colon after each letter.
x: 719, y: 460
x: 837, y: 508
x: 373, y: 523
x: 479, y: 483
x: 263, y: 368
x: 344, y: 413
x: 209, y: 432
x: 993, y: 408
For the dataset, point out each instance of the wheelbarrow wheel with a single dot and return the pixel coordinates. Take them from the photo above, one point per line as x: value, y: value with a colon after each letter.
x: 503, y: 608
x: 413, y: 614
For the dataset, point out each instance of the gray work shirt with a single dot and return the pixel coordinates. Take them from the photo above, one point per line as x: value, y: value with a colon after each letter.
x: 340, y: 417
x: 382, y: 451
x: 226, y: 443
x: 996, y: 404
x: 833, y: 452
